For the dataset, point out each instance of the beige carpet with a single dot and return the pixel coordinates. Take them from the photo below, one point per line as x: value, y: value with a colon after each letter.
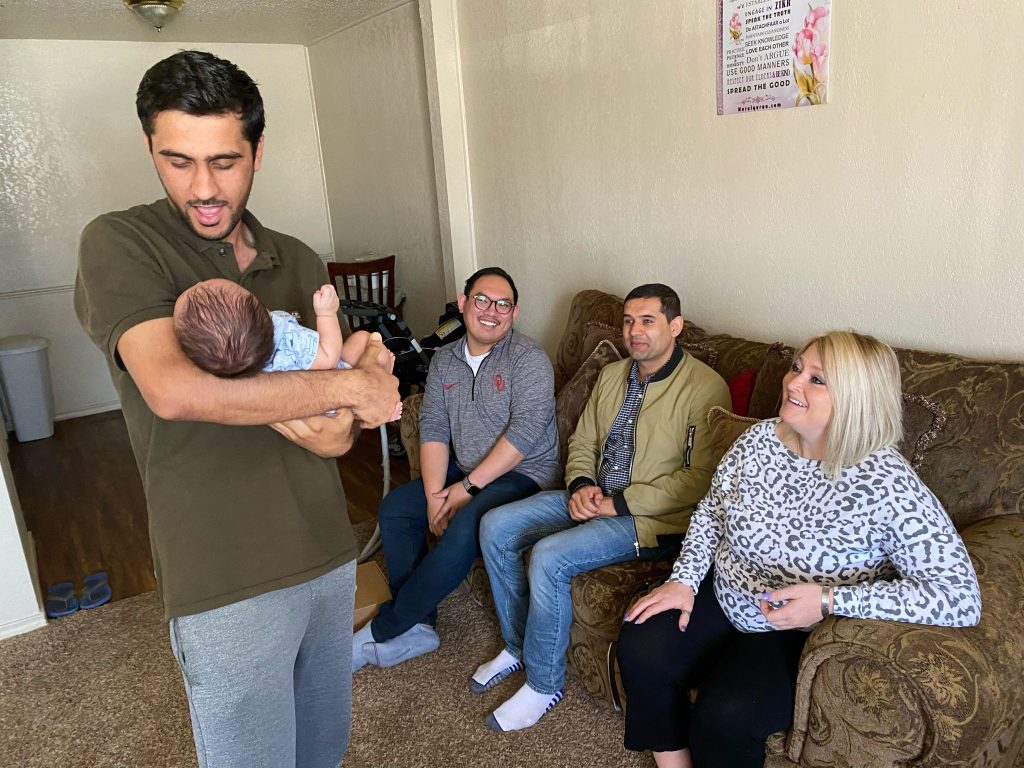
x: 100, y: 689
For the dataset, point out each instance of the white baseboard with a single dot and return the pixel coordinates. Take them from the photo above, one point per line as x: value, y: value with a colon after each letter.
x: 112, y: 405
x: 20, y: 626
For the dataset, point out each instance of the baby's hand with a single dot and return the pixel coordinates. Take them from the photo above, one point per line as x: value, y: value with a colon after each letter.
x: 325, y: 301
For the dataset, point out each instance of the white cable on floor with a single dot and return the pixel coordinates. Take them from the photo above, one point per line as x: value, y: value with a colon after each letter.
x: 374, y: 543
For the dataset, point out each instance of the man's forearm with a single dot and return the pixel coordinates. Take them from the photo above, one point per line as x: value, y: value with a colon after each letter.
x: 501, y: 459
x: 434, y: 466
x: 266, y: 397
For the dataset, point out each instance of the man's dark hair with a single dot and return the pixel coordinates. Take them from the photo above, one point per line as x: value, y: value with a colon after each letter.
x: 198, y: 83
x: 225, y: 333
x: 669, y: 298
x: 491, y: 271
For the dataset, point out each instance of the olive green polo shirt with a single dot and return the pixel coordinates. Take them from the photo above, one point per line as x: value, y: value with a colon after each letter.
x: 234, y: 512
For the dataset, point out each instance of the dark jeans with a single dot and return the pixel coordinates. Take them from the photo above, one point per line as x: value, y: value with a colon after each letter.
x: 745, y: 682
x: 420, y: 579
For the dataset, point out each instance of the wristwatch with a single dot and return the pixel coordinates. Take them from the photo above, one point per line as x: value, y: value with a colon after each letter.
x: 471, y: 489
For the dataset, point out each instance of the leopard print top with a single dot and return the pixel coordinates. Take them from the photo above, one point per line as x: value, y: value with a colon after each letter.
x: 878, y: 535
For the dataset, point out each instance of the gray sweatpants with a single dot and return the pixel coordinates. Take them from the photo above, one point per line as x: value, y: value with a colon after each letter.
x: 269, y: 679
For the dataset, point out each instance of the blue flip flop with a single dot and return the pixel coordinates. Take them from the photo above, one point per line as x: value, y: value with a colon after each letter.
x: 95, y: 590
x: 61, y: 600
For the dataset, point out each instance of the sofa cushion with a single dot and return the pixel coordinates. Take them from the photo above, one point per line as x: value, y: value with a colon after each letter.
x: 586, y: 306
x: 596, y: 331
x: 923, y: 420
x: 975, y: 464
x: 573, y: 396
x: 701, y: 351
x: 726, y: 427
x: 767, y: 395
x: 736, y: 355
x: 741, y: 387
x: 409, y: 428
x: 600, y: 597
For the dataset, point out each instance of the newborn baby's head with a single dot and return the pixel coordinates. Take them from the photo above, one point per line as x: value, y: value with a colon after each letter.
x: 223, y: 328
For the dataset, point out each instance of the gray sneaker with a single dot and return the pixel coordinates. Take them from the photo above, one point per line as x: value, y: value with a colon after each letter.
x: 414, y: 642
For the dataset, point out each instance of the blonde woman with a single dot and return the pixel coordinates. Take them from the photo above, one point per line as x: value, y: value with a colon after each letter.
x: 810, y: 514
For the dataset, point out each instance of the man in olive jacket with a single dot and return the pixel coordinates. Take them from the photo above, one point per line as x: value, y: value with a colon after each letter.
x: 639, y: 462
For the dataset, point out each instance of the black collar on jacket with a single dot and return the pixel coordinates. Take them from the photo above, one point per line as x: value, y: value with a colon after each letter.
x: 666, y: 370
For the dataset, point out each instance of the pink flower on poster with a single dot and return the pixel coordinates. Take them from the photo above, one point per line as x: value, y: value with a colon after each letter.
x: 735, y: 26
x: 803, y: 46
x: 819, y: 64
x: 810, y: 56
x: 815, y: 15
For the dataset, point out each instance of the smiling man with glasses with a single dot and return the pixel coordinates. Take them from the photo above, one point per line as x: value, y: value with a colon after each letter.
x: 488, y: 437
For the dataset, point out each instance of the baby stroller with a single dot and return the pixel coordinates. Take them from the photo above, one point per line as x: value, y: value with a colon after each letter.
x: 412, y: 357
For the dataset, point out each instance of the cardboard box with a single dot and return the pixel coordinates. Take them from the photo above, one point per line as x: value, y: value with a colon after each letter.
x: 371, y: 591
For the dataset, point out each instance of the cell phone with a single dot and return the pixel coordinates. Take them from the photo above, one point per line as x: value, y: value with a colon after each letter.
x: 772, y: 603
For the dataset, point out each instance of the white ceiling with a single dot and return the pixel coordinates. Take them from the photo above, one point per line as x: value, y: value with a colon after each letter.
x: 200, y: 21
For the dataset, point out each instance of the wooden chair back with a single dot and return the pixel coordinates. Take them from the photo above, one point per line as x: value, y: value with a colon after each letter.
x: 372, y: 280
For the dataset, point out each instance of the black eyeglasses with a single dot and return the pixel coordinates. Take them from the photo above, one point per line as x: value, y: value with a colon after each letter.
x: 501, y: 306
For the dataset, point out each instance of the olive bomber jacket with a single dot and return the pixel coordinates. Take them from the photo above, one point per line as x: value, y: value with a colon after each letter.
x: 673, y: 462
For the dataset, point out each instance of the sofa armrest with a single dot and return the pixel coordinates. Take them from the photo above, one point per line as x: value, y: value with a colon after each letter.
x: 410, y: 431
x: 891, y: 694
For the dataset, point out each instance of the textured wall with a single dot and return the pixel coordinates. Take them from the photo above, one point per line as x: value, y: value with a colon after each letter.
x: 72, y: 148
x: 597, y: 160
x: 371, y: 105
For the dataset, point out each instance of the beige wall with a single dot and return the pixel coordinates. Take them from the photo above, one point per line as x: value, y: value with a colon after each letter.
x: 72, y: 149
x: 371, y: 105
x: 597, y: 159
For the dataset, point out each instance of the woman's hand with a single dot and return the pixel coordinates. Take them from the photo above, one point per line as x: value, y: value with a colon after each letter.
x: 669, y: 596
x: 802, y: 608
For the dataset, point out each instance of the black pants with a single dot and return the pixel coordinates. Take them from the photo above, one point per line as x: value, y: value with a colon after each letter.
x: 746, y: 684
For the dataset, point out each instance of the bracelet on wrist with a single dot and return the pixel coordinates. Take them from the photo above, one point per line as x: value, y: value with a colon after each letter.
x: 826, y: 600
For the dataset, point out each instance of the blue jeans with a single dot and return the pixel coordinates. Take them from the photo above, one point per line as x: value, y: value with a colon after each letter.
x: 420, y: 579
x: 535, y: 614
x: 269, y: 679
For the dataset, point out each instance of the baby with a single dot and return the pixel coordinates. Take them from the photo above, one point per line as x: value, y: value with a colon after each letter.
x: 225, y: 330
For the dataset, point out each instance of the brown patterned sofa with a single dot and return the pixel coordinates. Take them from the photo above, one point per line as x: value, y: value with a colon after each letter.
x: 870, y: 693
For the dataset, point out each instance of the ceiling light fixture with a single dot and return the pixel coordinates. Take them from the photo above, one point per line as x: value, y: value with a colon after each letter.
x: 155, y: 12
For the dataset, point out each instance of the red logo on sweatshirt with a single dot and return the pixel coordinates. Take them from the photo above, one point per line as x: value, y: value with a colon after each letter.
x: 499, y: 382
x: 449, y: 386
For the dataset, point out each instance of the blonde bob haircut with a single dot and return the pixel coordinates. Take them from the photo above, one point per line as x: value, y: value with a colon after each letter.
x: 863, y: 380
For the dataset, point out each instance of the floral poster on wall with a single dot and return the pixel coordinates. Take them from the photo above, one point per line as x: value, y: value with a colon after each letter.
x: 772, y: 54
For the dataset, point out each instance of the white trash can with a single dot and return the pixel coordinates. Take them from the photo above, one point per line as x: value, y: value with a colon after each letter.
x: 25, y: 379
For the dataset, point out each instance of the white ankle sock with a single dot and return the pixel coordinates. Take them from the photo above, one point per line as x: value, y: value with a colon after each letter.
x: 499, y: 663
x: 525, y: 708
x: 363, y: 635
